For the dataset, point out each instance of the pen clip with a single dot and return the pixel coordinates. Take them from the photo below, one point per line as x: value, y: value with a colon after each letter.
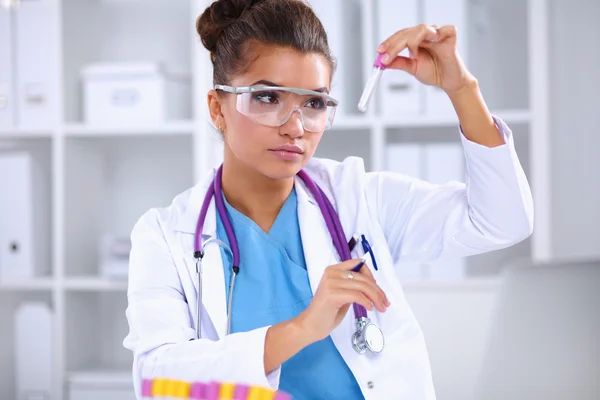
x: 368, y: 249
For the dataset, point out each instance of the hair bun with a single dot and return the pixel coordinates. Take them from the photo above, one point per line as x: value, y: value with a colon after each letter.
x: 217, y: 17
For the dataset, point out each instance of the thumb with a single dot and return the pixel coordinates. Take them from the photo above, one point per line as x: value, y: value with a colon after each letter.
x: 403, y: 63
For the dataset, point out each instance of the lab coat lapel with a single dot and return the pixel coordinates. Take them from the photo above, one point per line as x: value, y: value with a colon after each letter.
x: 319, y: 251
x: 213, y: 279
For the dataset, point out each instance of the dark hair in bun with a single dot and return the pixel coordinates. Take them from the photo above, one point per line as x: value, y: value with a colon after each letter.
x: 227, y: 28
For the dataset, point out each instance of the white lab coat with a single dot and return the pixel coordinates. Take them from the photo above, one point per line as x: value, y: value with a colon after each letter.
x: 403, y: 218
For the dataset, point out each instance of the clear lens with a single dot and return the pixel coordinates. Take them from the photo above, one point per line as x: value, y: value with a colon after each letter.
x: 275, y: 107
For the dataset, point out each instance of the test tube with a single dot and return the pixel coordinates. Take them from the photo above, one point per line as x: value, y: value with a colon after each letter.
x: 147, y: 389
x: 181, y: 390
x: 241, y: 392
x: 198, y: 391
x: 282, y: 396
x: 213, y: 390
x: 378, y: 69
x: 226, y: 391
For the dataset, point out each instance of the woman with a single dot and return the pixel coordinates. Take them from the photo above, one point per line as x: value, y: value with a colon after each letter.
x: 289, y: 323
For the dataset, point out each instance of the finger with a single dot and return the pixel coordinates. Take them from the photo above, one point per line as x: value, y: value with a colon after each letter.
x: 387, y: 43
x: 411, y: 38
x: 447, y: 32
x: 424, y: 34
x: 404, y: 64
x: 366, y: 272
x: 353, y: 296
x: 366, y: 287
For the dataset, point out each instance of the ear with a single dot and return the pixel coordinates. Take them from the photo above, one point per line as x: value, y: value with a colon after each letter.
x: 215, y: 109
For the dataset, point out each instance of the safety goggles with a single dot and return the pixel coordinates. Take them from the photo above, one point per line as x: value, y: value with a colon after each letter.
x: 274, y: 105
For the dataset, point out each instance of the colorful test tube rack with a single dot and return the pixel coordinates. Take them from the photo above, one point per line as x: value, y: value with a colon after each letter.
x: 174, y: 389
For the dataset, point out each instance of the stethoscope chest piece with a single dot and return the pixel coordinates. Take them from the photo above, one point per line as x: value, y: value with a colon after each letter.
x: 368, y: 336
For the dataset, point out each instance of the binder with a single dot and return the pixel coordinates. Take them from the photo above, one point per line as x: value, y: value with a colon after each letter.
x: 33, y: 351
x: 341, y: 20
x: 400, y: 92
x: 7, y: 109
x: 24, y: 218
x: 445, y: 12
x: 36, y: 38
x: 15, y: 216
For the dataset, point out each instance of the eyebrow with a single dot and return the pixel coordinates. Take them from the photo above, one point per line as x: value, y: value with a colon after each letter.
x: 269, y: 83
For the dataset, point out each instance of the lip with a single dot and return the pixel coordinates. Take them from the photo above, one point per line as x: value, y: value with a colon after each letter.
x: 288, y: 152
x: 291, y: 148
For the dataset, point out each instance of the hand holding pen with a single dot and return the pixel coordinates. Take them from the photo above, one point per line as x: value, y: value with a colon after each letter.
x: 341, y: 285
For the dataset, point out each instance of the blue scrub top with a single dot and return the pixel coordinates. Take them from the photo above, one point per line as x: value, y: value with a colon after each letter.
x: 272, y: 286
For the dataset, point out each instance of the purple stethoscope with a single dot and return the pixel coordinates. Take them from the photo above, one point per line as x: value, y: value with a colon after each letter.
x: 368, y: 336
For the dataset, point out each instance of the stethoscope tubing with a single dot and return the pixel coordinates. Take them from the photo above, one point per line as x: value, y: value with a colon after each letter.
x: 330, y: 216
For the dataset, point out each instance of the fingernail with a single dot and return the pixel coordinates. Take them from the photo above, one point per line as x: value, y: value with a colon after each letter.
x: 385, y: 58
x: 380, y: 48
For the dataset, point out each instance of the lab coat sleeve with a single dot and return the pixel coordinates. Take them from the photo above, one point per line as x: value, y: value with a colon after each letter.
x: 492, y: 209
x: 162, y: 337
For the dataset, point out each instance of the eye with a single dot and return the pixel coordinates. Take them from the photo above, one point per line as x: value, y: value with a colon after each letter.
x: 265, y: 97
x: 316, y: 102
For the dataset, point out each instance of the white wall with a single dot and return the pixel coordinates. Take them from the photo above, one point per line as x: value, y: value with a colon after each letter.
x: 455, y: 322
x: 575, y: 124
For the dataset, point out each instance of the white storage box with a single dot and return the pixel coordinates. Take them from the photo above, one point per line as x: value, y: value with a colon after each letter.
x: 138, y: 94
x: 101, y: 385
x: 33, y: 365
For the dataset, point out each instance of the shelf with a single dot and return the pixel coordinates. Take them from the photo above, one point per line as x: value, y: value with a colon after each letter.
x: 95, y: 131
x: 422, y: 121
x: 20, y: 133
x: 35, y: 284
x: 95, y: 284
x: 340, y: 123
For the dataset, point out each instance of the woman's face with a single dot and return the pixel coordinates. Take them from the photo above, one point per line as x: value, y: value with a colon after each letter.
x: 254, y: 145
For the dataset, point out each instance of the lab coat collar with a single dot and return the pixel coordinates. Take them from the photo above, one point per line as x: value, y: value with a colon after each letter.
x: 318, y: 247
x: 189, y: 218
x: 319, y: 251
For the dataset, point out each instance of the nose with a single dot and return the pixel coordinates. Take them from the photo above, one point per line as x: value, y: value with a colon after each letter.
x: 293, y: 127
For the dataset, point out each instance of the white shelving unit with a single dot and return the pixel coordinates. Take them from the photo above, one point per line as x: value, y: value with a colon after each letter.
x: 105, y: 177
